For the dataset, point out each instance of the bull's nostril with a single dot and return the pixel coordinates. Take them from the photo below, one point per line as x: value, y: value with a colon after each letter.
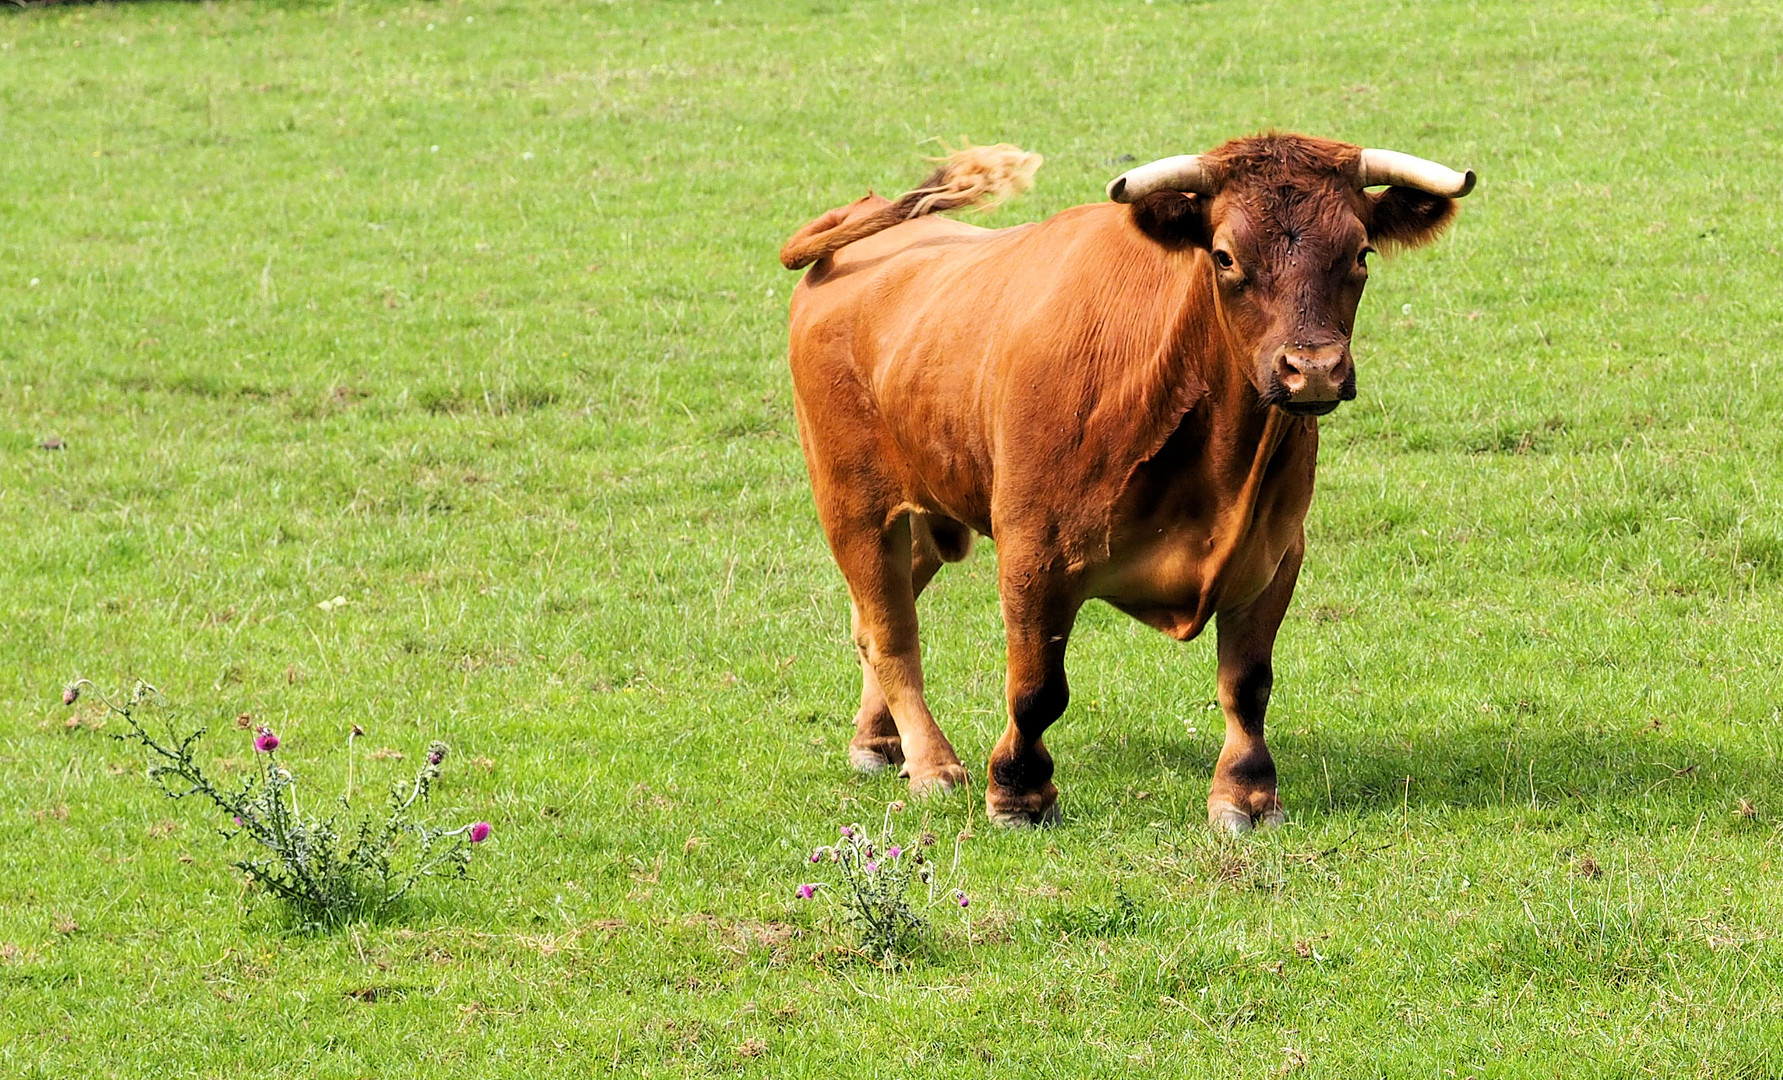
x: 1289, y: 373
x: 1312, y: 373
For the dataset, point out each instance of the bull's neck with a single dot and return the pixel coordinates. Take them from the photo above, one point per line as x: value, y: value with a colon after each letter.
x: 1244, y: 431
x: 1242, y: 434
x: 1181, y: 374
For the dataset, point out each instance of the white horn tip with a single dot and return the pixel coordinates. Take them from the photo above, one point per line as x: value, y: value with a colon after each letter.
x: 1380, y: 167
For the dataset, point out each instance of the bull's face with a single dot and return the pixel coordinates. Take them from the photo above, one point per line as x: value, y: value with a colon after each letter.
x: 1288, y: 276
x: 1284, y: 228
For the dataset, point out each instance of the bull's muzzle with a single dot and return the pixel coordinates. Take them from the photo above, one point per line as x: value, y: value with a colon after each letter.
x: 1311, y: 381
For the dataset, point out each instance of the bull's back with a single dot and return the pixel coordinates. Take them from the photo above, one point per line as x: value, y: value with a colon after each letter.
x: 879, y: 266
x: 948, y: 333
x: 933, y: 297
x: 869, y: 368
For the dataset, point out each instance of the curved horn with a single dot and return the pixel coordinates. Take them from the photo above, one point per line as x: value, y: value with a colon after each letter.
x: 1181, y: 173
x: 1377, y: 167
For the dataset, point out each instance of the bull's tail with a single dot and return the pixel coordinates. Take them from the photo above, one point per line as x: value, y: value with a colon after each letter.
x: 977, y: 176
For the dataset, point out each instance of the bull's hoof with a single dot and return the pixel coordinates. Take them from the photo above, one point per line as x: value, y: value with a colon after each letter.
x: 1025, y: 819
x: 1229, y: 820
x: 868, y: 761
x: 875, y: 755
x: 937, y: 781
x: 1033, y: 809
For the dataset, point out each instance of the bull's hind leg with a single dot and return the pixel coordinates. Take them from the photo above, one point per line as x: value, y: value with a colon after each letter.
x: 881, y: 565
x: 875, y: 744
x: 1243, y: 793
x: 933, y: 541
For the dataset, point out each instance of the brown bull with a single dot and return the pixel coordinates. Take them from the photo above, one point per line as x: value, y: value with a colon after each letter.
x: 1123, y: 396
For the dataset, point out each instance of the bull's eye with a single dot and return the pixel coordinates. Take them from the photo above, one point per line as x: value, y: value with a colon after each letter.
x: 1362, y: 257
x: 1223, y: 259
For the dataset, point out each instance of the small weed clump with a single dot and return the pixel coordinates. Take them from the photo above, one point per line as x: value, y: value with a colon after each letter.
x: 325, y: 870
x: 877, y: 880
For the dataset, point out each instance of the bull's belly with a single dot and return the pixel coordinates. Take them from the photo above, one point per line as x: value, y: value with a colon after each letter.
x: 944, y: 475
x: 1176, y: 586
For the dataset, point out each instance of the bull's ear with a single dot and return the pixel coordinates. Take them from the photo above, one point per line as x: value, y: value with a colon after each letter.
x: 1174, y: 219
x: 1408, y: 218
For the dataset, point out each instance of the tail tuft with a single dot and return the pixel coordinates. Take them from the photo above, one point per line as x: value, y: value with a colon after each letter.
x: 980, y: 177
x: 972, y: 176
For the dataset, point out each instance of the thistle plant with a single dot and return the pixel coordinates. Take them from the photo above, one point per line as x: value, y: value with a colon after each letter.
x: 884, y: 888
x: 327, y: 868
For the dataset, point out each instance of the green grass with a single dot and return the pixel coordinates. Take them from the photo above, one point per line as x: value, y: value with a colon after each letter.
x: 529, y: 414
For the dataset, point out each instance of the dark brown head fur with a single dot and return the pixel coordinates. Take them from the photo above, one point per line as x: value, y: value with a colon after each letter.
x: 1287, y: 234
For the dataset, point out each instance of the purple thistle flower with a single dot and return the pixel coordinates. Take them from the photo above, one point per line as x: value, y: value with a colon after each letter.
x: 436, y: 753
x: 894, y: 852
x: 817, y: 856
x: 871, y: 867
x: 480, y: 832
x: 238, y: 820
x: 806, y: 892
x: 965, y: 901
x: 71, y: 693
x: 847, y: 832
x: 266, y: 742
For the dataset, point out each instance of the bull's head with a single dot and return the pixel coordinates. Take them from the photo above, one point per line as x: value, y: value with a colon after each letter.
x: 1285, y: 225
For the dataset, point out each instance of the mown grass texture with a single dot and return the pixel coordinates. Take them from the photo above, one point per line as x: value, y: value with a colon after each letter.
x: 468, y: 312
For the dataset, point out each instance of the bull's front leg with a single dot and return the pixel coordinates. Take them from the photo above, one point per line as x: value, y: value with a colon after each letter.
x: 1244, y: 792
x: 1038, y: 611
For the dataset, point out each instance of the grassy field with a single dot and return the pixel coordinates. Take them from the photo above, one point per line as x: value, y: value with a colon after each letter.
x: 469, y: 313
